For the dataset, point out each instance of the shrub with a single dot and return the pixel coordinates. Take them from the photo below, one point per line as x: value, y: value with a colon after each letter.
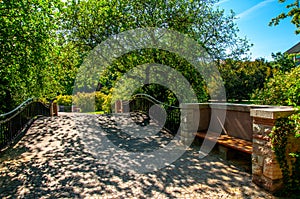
x: 282, y: 89
x: 64, y: 100
x: 102, y: 101
x: 106, y: 106
x: 83, y: 100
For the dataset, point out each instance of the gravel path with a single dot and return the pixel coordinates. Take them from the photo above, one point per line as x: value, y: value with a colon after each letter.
x: 57, y: 158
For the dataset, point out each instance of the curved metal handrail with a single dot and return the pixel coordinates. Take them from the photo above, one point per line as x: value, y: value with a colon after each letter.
x: 173, y: 114
x: 152, y: 99
x: 14, y: 122
x: 17, y: 108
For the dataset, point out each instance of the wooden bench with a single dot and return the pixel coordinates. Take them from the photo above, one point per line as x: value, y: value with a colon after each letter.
x: 228, y: 141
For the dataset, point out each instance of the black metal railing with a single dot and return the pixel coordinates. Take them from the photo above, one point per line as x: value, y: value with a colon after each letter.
x: 143, y: 103
x: 15, y: 121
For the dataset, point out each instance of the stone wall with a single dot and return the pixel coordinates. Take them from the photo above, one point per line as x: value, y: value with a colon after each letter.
x: 191, y: 122
x: 249, y: 122
x: 266, y: 171
x: 236, y: 118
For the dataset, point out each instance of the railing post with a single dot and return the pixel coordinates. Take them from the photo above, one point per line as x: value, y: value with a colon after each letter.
x: 122, y: 106
x: 266, y: 171
x: 53, y: 109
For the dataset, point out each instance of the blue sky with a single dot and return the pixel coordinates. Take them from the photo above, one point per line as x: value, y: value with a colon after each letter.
x: 253, y: 18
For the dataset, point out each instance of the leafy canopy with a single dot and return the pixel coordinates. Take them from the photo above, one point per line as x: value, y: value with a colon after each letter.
x: 88, y: 23
x: 293, y: 13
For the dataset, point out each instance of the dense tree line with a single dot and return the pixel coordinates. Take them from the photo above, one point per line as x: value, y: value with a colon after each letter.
x: 26, y: 41
x: 43, y: 43
x: 242, y: 78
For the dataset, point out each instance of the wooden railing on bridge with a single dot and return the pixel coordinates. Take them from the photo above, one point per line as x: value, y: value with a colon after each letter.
x: 143, y: 103
x: 15, y: 121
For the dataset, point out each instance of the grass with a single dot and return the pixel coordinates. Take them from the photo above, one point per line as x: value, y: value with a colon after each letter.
x: 97, y: 112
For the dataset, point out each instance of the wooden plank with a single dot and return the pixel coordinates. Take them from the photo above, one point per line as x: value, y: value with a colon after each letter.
x: 228, y: 141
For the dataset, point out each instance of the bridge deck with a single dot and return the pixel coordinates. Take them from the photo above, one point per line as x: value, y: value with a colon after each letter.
x: 65, y: 157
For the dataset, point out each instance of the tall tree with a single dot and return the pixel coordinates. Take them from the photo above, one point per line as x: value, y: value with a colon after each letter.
x: 88, y: 23
x: 92, y: 21
x: 28, y: 29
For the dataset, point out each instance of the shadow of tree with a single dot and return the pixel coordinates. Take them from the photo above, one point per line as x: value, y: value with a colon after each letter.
x: 54, y: 159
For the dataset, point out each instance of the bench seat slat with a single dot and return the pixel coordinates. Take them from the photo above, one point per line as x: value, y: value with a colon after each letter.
x: 228, y: 141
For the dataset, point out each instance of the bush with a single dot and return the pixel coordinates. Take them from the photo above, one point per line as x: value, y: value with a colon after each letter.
x: 106, y: 106
x: 64, y: 100
x: 282, y: 89
x: 83, y: 100
x: 102, y: 101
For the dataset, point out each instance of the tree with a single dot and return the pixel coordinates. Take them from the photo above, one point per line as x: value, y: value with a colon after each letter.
x: 281, y: 89
x: 282, y: 62
x: 27, y: 38
x: 42, y: 43
x: 88, y: 23
x: 242, y: 78
x: 294, y: 13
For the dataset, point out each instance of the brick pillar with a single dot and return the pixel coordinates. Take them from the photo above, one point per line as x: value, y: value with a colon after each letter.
x: 189, y: 122
x: 118, y: 106
x: 266, y: 171
x: 121, y: 106
x: 55, y: 109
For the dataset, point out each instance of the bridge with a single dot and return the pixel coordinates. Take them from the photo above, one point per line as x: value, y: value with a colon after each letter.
x: 66, y: 156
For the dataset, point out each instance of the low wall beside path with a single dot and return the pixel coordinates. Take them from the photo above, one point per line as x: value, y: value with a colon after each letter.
x: 237, y: 123
x: 249, y: 122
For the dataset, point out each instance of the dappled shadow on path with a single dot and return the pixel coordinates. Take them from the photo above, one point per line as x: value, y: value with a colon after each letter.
x: 55, y: 159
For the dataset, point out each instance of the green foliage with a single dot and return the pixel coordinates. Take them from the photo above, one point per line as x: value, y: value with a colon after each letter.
x: 279, y: 138
x: 102, y: 102
x: 282, y: 89
x: 160, y: 93
x: 141, y: 57
x: 294, y: 13
x: 284, y: 129
x: 43, y: 43
x: 64, y: 100
x: 26, y: 40
x: 282, y: 62
x: 88, y: 23
x: 83, y: 100
x: 66, y: 61
x: 242, y: 78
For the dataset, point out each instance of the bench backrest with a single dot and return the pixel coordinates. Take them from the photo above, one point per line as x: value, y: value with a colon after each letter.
x: 238, y: 122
